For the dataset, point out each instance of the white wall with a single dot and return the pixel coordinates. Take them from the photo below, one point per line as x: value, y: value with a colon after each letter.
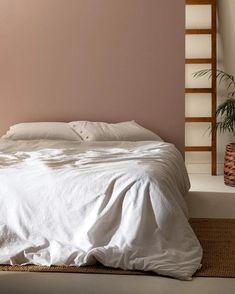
x: 226, y: 28
x: 226, y: 57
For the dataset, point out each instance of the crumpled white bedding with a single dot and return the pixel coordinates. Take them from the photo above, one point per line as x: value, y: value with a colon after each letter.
x: 73, y: 203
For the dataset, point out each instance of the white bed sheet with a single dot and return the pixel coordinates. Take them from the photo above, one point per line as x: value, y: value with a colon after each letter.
x: 119, y: 203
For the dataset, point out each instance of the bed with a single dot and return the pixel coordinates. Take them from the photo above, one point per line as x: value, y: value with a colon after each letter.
x: 78, y: 202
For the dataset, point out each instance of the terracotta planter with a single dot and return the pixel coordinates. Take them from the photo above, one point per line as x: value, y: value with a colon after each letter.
x: 229, y: 165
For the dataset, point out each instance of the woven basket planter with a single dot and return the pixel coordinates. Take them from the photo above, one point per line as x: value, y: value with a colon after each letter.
x: 229, y: 165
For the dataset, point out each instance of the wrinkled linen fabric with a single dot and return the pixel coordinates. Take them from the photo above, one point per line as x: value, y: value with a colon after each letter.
x: 74, y: 203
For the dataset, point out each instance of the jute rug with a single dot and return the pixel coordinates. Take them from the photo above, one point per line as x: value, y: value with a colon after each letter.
x: 217, y: 237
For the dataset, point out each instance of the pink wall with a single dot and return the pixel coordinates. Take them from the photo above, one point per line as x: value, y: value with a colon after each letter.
x: 108, y: 60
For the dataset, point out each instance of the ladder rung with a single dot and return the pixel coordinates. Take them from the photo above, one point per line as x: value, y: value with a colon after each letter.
x: 198, y: 119
x: 198, y: 60
x: 198, y: 90
x: 198, y: 148
x: 198, y: 31
x: 198, y: 2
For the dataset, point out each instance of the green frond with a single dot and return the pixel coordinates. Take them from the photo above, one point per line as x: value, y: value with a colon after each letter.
x: 220, y: 75
x: 228, y: 124
x: 226, y: 110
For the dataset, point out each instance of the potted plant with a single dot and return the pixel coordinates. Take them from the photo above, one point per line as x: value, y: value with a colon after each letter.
x: 226, y: 119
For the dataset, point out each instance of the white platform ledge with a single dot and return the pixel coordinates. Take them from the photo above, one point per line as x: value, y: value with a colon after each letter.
x: 210, y: 198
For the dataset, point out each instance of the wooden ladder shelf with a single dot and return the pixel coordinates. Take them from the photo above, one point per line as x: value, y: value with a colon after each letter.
x: 213, y: 61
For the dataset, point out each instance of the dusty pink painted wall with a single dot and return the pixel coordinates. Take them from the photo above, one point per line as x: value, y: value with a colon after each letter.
x: 109, y: 60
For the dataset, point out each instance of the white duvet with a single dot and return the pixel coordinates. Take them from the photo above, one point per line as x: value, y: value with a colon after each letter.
x: 73, y: 203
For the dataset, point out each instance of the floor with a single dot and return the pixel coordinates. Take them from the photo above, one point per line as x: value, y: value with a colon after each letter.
x: 208, y: 197
x: 35, y: 283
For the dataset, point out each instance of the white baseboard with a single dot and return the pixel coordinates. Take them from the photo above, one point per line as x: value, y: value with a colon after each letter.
x: 203, y: 168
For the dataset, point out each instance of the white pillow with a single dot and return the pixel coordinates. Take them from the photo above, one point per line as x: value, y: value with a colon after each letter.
x: 124, y: 131
x: 41, y: 130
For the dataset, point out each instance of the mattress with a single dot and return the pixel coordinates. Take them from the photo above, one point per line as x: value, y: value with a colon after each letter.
x: 75, y: 203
